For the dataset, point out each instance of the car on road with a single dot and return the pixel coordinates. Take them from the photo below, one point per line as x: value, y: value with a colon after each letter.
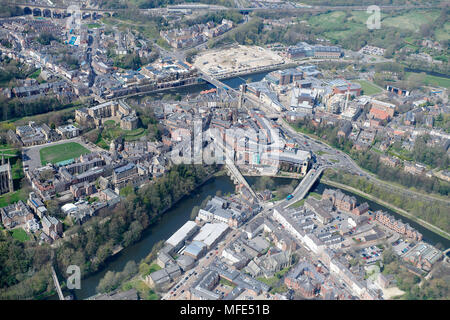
x: 289, y: 197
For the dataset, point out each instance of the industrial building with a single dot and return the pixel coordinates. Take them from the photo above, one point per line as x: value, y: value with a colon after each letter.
x: 210, y: 233
x: 181, y: 235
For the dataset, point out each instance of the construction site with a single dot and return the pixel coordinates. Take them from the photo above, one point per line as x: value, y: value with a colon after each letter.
x: 238, y: 60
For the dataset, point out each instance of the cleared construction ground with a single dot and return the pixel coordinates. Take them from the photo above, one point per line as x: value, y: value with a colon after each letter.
x: 238, y: 60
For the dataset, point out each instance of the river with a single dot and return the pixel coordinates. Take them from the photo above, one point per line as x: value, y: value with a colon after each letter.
x: 195, y: 89
x: 170, y: 222
x: 428, y: 236
x: 174, y: 218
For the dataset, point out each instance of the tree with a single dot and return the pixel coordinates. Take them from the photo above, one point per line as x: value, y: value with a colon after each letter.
x: 194, y: 212
x: 107, y: 283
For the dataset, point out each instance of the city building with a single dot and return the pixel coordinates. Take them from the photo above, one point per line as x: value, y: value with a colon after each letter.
x: 178, y: 239
x: 16, y: 214
x: 118, y: 111
x: 52, y: 227
x: 397, y: 225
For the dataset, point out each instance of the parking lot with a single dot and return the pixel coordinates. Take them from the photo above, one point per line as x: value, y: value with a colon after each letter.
x: 340, y: 221
x: 371, y: 254
x: 402, y: 246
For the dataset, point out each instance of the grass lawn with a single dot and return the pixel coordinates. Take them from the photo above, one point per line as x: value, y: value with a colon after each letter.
x: 274, y: 280
x: 20, y: 235
x: 17, y: 170
x: 444, y: 33
x: 269, y: 281
x: 343, y: 26
x: 93, y: 25
x: 315, y: 195
x: 368, y: 87
x: 61, y: 152
x: 411, y: 20
x: 146, y: 269
x: 35, y: 74
x: 227, y: 283
x: 144, y: 291
x: 154, y: 267
x: 298, y: 203
x: 359, y: 17
x: 8, y: 198
x: 113, y: 131
x: 433, y: 80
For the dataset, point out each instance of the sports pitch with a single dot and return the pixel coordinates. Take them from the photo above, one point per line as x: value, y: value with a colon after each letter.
x: 61, y: 152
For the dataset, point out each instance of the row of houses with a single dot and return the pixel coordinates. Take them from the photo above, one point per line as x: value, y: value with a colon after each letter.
x: 397, y: 225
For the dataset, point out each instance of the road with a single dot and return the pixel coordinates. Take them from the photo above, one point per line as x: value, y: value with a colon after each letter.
x: 305, y: 185
x: 241, y: 8
x: 326, y: 154
x: 386, y: 204
x: 343, y: 161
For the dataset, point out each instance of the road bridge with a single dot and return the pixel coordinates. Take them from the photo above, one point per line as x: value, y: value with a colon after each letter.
x: 217, y: 83
x: 305, y: 185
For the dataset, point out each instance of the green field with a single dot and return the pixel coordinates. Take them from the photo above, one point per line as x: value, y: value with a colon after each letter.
x: 94, y: 25
x: 341, y: 25
x: 433, y: 80
x: 411, y: 20
x: 443, y: 34
x: 20, y: 235
x: 113, y: 131
x: 62, y: 152
x: 8, y: 198
x: 368, y: 87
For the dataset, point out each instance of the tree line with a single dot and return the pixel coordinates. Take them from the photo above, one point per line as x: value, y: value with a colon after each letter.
x: 434, y: 212
x: 24, y: 272
x: 370, y: 160
x: 17, y: 108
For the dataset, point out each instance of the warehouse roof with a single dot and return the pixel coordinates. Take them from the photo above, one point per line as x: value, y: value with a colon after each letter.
x: 182, y: 233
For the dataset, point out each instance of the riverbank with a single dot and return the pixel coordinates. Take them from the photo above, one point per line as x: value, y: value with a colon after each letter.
x: 373, y: 176
x: 161, y: 229
x: 400, y: 211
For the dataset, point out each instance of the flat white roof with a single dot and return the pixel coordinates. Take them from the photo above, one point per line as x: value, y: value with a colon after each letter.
x: 182, y: 233
x: 210, y: 232
x: 68, y: 207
